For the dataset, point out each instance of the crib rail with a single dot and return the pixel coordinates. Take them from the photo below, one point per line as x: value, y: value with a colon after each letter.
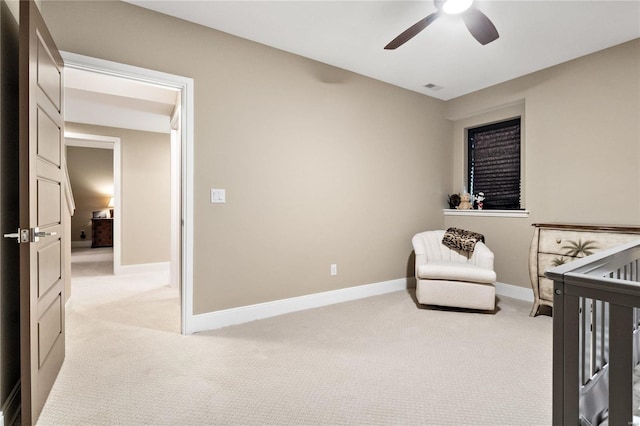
x: 596, y: 337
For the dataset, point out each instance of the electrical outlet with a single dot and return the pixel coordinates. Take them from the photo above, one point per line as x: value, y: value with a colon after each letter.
x: 334, y: 269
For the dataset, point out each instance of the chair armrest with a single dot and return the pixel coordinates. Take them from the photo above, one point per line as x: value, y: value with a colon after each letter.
x: 420, y: 252
x: 421, y: 259
x: 482, y: 256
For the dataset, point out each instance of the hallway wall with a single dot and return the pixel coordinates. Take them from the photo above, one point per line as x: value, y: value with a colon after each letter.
x: 91, y: 176
x: 146, y: 192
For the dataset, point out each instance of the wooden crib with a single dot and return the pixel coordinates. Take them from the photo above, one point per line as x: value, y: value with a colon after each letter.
x: 595, y: 337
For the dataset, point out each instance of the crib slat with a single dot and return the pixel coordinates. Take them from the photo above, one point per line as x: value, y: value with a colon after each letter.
x: 620, y: 365
x: 593, y: 367
x: 605, y: 334
x: 565, y: 375
x: 582, y: 365
x: 601, y: 337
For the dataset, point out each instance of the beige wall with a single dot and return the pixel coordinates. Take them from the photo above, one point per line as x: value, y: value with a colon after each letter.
x: 581, y: 139
x: 324, y: 166
x: 91, y: 177
x: 145, y: 209
x: 320, y: 165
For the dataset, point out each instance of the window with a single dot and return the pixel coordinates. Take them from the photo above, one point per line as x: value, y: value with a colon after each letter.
x: 494, y: 164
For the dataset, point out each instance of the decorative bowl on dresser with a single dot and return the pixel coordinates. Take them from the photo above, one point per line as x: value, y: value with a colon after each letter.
x: 554, y: 244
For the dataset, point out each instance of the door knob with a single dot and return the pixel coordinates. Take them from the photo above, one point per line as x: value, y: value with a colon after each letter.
x: 22, y: 236
x: 44, y: 234
x: 37, y: 234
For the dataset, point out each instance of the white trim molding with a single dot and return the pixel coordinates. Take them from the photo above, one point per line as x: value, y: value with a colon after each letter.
x: 514, y: 292
x: 243, y: 314
x: 81, y: 244
x: 143, y: 268
x: 86, y: 140
x: 186, y: 87
x: 486, y: 213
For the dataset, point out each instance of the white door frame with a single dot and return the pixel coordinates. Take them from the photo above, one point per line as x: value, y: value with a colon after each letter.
x: 106, y: 142
x: 186, y: 87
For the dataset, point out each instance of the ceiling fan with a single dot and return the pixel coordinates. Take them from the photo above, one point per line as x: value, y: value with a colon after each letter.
x: 480, y: 27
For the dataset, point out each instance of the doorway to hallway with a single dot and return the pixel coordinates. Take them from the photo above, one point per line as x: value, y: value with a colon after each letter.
x: 181, y: 130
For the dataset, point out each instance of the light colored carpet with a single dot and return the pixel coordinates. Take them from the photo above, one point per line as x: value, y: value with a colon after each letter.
x: 375, y: 361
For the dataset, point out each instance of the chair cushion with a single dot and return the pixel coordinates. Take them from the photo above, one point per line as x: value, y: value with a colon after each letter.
x: 456, y: 272
x: 456, y: 294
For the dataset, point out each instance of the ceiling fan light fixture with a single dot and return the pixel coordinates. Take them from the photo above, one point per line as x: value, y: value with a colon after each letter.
x: 478, y: 24
x: 454, y: 7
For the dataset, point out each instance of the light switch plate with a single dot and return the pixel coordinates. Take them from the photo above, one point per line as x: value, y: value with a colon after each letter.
x: 218, y: 196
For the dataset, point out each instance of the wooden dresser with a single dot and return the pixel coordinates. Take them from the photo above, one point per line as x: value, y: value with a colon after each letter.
x: 101, y: 233
x: 554, y: 244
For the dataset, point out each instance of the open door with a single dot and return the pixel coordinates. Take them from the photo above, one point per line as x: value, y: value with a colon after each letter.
x: 42, y: 294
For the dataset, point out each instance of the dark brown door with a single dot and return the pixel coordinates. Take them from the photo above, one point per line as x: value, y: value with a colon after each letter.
x: 42, y: 294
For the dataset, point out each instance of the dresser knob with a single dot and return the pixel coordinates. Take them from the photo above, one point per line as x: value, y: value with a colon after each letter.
x: 558, y: 240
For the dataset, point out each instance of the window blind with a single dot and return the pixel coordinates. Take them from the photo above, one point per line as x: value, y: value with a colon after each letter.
x: 494, y: 164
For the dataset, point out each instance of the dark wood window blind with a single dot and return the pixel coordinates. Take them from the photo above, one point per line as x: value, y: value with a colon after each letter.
x: 494, y: 164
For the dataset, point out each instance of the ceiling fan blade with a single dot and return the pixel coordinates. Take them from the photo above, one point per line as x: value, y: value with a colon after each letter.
x: 412, y: 31
x: 480, y: 27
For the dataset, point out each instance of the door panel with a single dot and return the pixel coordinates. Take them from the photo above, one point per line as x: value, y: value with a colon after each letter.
x: 48, y: 145
x: 49, y: 267
x: 41, y: 261
x: 49, y: 329
x: 48, y: 73
x: 49, y: 202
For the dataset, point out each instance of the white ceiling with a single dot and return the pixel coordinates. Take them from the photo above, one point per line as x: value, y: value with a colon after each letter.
x: 104, y: 100
x: 352, y: 34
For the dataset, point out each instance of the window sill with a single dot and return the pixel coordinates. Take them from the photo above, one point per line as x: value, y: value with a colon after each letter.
x: 487, y: 213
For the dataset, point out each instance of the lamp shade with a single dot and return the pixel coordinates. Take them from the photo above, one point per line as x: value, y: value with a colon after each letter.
x: 111, y: 203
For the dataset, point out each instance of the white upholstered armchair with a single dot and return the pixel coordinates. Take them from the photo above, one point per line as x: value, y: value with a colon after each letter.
x: 455, y: 278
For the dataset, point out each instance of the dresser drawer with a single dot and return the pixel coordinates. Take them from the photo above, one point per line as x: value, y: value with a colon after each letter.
x: 560, y: 243
x: 569, y: 242
x: 101, y: 233
x: 546, y: 289
x: 547, y: 261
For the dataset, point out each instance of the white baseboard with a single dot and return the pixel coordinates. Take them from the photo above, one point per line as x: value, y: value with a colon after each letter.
x: 219, y: 319
x: 143, y: 268
x: 243, y: 314
x: 67, y: 306
x: 514, y: 291
x: 84, y: 244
